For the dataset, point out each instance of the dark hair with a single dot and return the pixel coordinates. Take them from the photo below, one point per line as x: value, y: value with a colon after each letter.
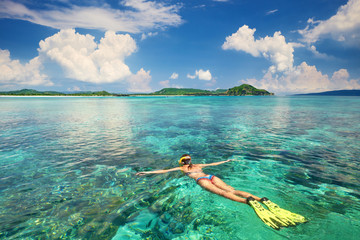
x: 185, y: 155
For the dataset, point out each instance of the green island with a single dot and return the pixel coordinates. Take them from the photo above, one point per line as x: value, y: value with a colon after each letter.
x: 243, y: 90
x: 31, y: 92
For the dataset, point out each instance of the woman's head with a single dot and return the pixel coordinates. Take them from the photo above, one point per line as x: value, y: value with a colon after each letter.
x: 185, y: 160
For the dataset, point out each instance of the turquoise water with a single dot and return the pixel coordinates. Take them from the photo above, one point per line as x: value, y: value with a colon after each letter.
x: 67, y: 166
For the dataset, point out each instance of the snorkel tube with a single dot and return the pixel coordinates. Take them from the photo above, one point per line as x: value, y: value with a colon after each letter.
x: 184, y: 158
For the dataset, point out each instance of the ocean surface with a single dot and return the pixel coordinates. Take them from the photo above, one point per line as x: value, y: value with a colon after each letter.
x: 68, y: 164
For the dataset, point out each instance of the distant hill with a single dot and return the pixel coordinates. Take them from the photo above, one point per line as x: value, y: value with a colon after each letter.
x: 31, y: 92
x: 246, y: 89
x: 334, y: 93
x: 242, y: 90
x: 188, y: 91
x: 220, y: 91
x: 99, y: 93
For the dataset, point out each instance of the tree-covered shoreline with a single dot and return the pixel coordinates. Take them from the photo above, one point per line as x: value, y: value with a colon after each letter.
x: 243, y: 90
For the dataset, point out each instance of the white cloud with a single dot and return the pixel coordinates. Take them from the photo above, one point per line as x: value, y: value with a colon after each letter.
x: 191, y: 76
x: 131, y: 16
x: 275, y: 48
x: 242, y: 40
x: 165, y: 83
x: 174, y: 76
x: 317, y: 54
x: 341, y: 78
x: 272, y: 11
x: 305, y: 79
x: 283, y: 77
x: 344, y: 26
x: 13, y: 73
x: 84, y: 60
x: 139, y: 83
x: 146, y: 35
x: 201, y: 74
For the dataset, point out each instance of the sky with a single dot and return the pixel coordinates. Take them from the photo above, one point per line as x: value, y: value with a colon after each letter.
x: 140, y: 46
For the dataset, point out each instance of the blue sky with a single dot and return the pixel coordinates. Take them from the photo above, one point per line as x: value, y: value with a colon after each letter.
x: 143, y: 46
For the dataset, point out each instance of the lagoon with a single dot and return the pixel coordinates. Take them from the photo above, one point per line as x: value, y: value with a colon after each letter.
x: 67, y: 166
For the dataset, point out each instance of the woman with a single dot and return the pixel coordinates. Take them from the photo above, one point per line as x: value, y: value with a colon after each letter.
x: 274, y: 218
x: 209, y: 182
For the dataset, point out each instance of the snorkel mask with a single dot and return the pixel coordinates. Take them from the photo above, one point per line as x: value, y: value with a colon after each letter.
x: 186, y: 160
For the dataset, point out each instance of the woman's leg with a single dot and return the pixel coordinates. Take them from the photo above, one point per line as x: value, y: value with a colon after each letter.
x: 222, y: 185
x: 214, y: 189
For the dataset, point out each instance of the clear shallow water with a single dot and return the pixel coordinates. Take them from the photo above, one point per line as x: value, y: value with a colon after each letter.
x: 67, y: 166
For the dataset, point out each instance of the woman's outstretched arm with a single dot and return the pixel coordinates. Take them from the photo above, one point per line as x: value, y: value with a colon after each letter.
x: 158, y: 171
x: 215, y: 163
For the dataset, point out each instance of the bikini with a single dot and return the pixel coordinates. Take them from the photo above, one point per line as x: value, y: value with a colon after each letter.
x: 209, y: 177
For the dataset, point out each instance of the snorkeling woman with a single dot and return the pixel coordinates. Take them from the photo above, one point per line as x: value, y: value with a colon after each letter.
x: 274, y: 218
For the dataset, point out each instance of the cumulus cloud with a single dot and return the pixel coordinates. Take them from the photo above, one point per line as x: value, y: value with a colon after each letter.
x: 305, y: 79
x: 274, y: 48
x: 201, y: 74
x: 317, y: 54
x: 174, y: 76
x: 131, y: 15
x: 84, y: 60
x: 344, y: 26
x: 283, y: 76
x: 342, y: 78
x: 146, y: 35
x: 191, y: 76
x: 81, y: 59
x: 13, y: 73
x: 139, y: 82
x: 204, y: 75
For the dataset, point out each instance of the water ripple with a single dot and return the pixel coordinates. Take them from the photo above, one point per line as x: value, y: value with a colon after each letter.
x: 68, y: 166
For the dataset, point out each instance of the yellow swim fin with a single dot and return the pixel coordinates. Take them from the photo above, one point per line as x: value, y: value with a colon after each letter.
x: 265, y: 215
x: 283, y: 214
